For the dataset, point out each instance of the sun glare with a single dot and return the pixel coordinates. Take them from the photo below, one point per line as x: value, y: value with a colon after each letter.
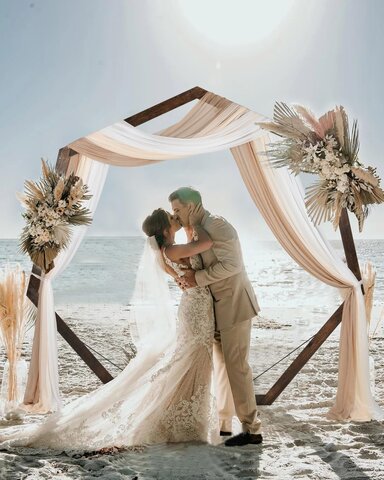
x: 233, y: 23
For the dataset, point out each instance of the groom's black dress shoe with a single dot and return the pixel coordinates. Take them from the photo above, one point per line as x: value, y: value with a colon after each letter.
x: 245, y: 438
x: 223, y: 433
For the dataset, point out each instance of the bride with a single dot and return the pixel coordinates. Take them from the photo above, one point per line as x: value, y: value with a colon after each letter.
x: 165, y: 393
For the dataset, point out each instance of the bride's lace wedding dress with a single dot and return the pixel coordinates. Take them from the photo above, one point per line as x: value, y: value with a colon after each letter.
x: 158, y: 398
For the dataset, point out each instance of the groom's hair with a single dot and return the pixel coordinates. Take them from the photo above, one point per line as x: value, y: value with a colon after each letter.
x: 186, y: 195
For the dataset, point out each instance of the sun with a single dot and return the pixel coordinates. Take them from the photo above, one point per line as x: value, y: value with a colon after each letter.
x: 234, y: 23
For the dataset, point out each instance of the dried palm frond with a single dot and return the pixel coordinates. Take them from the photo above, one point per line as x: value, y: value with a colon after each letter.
x: 311, y: 120
x: 352, y: 145
x: 287, y: 123
x: 285, y: 153
x: 32, y: 190
x: 327, y: 121
x: 368, y: 176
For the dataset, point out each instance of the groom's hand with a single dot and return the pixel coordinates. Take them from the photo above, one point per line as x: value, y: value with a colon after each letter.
x: 189, y: 278
x: 196, y: 214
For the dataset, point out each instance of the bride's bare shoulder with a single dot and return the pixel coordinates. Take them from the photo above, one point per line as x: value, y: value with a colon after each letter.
x: 172, y: 252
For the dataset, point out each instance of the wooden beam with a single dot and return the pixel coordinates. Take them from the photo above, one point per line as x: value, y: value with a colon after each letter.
x: 166, y: 106
x: 63, y: 159
x: 81, y: 349
x: 68, y: 334
x: 301, y: 359
x: 161, y: 108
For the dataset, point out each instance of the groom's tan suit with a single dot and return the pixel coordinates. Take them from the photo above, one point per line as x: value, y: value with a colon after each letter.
x: 235, y: 304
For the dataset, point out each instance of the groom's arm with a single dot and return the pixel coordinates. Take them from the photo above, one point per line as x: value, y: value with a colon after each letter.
x: 227, y: 250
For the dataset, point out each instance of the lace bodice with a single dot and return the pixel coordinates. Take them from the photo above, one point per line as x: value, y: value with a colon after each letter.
x: 178, y: 268
x: 196, y: 264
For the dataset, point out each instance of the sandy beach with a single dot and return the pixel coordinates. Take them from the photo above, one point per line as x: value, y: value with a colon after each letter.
x: 93, y: 294
x: 299, y: 442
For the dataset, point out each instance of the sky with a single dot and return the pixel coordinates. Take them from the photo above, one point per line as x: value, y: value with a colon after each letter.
x: 71, y: 68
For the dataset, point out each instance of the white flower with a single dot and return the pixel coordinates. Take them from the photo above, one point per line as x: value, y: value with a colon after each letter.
x: 343, y: 169
x: 331, y: 158
x: 326, y: 170
x: 311, y: 150
x: 330, y: 142
x: 342, y: 183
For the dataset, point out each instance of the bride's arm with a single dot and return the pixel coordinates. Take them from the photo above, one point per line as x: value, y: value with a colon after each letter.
x: 189, y: 232
x: 204, y: 242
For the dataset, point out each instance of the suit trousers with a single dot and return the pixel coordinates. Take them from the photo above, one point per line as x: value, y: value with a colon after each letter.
x: 233, y: 378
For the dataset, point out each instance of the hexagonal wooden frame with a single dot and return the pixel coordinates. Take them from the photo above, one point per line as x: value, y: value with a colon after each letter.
x: 67, y: 160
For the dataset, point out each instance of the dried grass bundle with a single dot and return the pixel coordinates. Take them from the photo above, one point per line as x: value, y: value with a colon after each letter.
x: 16, y: 312
x: 369, y: 279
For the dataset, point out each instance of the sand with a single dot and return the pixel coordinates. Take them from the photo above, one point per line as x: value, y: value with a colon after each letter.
x: 299, y: 442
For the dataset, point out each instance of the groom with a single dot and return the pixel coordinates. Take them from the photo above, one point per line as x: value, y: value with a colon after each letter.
x: 235, y: 304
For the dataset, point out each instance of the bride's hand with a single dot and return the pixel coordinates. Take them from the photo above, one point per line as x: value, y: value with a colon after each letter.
x: 189, y: 278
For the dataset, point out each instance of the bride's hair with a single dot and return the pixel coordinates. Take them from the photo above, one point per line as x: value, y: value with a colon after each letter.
x: 155, y: 224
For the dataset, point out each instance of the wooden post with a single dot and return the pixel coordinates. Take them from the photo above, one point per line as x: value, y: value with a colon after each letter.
x: 349, y: 245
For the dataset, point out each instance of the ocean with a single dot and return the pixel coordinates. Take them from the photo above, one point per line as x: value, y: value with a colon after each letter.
x: 104, y: 269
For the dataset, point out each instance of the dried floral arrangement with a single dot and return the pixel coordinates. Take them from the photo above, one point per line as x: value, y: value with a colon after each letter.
x: 329, y: 148
x: 16, y: 314
x: 53, y: 205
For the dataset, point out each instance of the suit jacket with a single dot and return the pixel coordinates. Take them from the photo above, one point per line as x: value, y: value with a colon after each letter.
x: 224, y: 273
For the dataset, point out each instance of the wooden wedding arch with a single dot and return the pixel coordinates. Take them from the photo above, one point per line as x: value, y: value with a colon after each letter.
x: 67, y: 160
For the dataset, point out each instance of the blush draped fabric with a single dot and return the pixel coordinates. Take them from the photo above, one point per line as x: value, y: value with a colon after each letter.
x: 279, y: 198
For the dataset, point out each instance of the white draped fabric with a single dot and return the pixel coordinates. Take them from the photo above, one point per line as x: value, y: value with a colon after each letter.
x: 212, y: 125
x: 42, y: 391
x: 216, y: 124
